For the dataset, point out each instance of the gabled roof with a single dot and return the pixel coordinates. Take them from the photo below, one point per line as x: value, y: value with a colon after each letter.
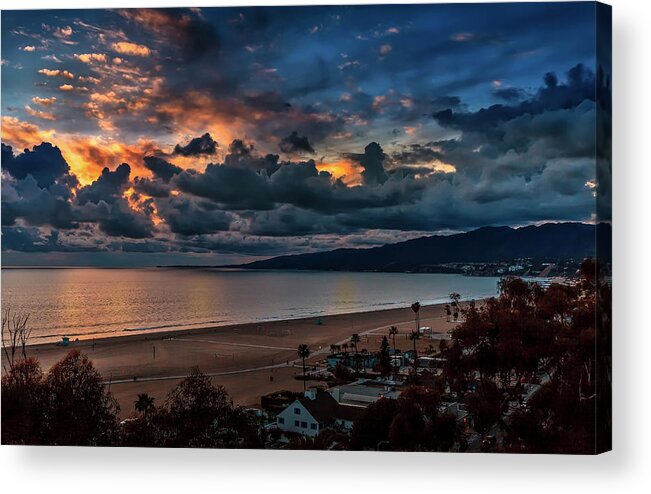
x: 322, y: 408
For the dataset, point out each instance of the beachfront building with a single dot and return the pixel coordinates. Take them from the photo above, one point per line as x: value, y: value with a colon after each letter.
x: 363, y: 392
x: 316, y: 410
x: 365, y: 360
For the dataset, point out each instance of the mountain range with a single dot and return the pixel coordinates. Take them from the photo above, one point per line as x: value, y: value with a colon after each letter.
x: 553, y: 242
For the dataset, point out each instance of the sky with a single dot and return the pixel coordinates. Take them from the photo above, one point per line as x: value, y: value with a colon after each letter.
x: 223, y: 135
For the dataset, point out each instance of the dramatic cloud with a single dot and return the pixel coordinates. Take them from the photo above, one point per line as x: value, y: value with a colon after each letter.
x: 423, y: 119
x: 103, y: 202
x: 44, y: 163
x: 580, y: 86
x: 198, y: 145
x: 108, y: 187
x: 294, y: 143
x: 161, y: 168
x: 373, y: 163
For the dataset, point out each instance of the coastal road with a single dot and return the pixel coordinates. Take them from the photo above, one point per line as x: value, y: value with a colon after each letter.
x: 217, y: 342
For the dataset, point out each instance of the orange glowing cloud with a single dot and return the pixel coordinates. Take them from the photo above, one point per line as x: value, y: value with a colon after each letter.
x: 128, y: 48
x: 141, y: 203
x: 57, y: 73
x: 91, y: 57
x: 86, y: 155
x: 198, y: 113
x: 44, y: 101
x: 66, y: 87
x: 345, y: 170
x: 22, y: 134
x: 438, y: 166
x: 106, y: 98
x: 39, y: 113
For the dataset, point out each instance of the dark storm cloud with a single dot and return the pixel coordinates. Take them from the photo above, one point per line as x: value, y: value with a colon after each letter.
x: 294, y: 143
x: 35, y: 205
x: 509, y: 94
x: 152, y: 188
x: 161, y: 168
x: 416, y: 153
x: 37, y: 188
x: 117, y: 218
x: 242, y: 155
x: 241, y: 184
x: 108, y: 187
x: 197, y: 146
x: 102, y: 202
x: 189, y: 216
x: 579, y: 86
x: 28, y: 240
x: 373, y: 163
x: 232, y: 186
x: 45, y: 163
x: 292, y: 221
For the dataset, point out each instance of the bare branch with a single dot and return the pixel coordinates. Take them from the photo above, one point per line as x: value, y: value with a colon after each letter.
x: 15, y: 334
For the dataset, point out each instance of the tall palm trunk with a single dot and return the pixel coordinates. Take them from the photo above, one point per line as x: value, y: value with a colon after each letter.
x: 415, y: 357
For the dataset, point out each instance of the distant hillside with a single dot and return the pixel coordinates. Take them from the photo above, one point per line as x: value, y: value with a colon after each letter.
x: 553, y: 241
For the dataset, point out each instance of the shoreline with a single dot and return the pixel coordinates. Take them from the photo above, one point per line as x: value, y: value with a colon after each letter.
x: 199, y: 328
x: 249, y: 360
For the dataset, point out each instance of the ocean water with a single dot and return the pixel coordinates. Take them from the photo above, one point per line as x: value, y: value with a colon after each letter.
x: 89, y: 302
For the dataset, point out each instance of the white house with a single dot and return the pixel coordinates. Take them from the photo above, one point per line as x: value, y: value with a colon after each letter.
x: 317, y: 410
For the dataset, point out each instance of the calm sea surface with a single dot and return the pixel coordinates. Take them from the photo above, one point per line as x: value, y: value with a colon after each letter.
x: 88, y: 302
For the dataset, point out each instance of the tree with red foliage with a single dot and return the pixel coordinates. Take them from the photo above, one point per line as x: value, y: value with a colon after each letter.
x: 530, y: 335
x: 79, y: 410
x: 22, y: 403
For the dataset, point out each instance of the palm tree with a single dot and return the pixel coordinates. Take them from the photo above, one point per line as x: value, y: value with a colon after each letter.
x: 345, y: 348
x: 303, y: 352
x: 144, y: 404
x: 416, y: 308
x: 355, y: 339
x: 393, y: 331
x: 364, y: 353
x: 413, y: 337
x: 333, y: 349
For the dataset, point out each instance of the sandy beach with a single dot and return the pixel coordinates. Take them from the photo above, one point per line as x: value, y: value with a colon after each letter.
x: 249, y: 360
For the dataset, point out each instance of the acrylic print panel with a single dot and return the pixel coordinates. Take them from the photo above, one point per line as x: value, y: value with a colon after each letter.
x: 346, y: 227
